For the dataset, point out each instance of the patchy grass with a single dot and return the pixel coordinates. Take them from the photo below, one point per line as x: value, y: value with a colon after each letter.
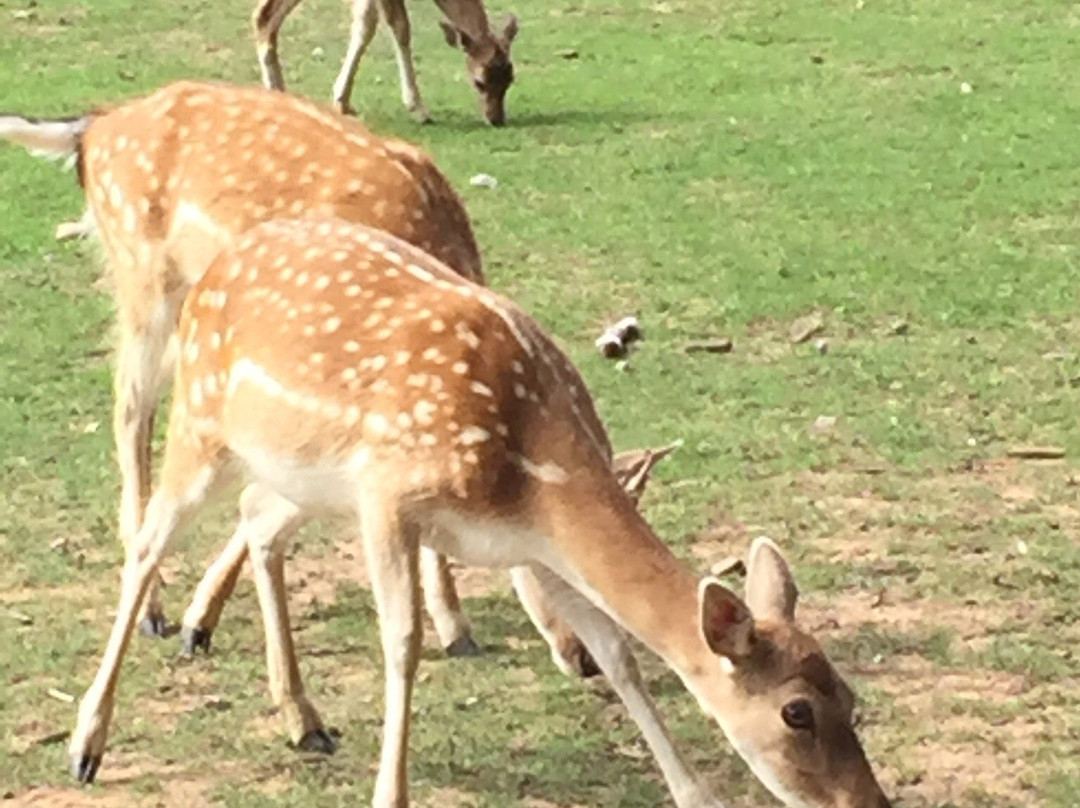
x: 719, y: 169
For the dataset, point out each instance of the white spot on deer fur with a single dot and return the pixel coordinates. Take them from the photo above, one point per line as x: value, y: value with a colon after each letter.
x: 309, y: 331
x: 210, y: 383
x: 502, y: 429
x: 195, y: 394
x: 372, y: 320
x: 345, y: 275
x: 427, y: 439
x: 481, y: 389
x: 351, y: 346
x: 402, y: 357
x: 438, y: 326
x: 417, y: 380
x: 376, y: 425
x: 424, y: 412
x: 331, y: 325
x: 544, y: 472
x: 467, y: 335
x: 460, y: 368
x: 434, y: 355
x: 215, y: 340
x: 301, y: 278
x: 404, y: 420
x: 472, y: 435
x: 378, y: 362
x: 519, y: 390
x: 419, y: 273
x: 352, y: 291
x: 348, y: 374
x: 191, y: 352
x: 384, y: 333
x: 351, y: 415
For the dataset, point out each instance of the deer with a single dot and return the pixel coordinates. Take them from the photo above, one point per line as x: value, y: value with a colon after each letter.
x: 487, y: 54
x: 452, y: 409
x: 172, y: 177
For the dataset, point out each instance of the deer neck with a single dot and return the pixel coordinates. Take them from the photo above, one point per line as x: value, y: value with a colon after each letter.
x: 634, y: 577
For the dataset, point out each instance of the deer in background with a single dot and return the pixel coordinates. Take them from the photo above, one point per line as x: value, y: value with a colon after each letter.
x: 451, y: 419
x: 172, y: 178
x: 487, y: 54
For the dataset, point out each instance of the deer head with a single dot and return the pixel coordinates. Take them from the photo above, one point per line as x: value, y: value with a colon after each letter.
x: 487, y: 61
x: 792, y: 722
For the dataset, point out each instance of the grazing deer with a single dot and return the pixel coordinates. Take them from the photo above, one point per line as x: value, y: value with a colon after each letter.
x: 173, y: 177
x: 487, y: 55
x: 343, y: 369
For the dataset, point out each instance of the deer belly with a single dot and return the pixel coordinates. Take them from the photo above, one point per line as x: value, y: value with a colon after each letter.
x: 482, y: 542
x: 326, y: 485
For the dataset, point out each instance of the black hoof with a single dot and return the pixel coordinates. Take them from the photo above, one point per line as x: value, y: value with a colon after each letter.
x: 85, y: 768
x: 586, y: 666
x: 318, y: 740
x: 463, y: 647
x: 153, y: 625
x: 195, y: 639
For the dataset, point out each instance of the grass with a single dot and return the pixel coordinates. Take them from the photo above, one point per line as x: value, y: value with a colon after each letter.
x: 720, y: 169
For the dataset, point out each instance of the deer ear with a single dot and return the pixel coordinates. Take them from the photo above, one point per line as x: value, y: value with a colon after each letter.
x: 455, y: 37
x: 510, y: 29
x: 770, y: 588
x: 632, y: 468
x: 726, y: 624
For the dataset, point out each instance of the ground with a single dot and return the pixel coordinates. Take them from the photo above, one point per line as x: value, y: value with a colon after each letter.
x: 902, y: 170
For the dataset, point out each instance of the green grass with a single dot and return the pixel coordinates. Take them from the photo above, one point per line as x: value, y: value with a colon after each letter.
x: 719, y: 169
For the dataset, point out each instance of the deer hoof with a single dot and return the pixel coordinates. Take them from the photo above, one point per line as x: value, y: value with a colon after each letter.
x: 317, y: 740
x: 85, y: 767
x: 194, y: 639
x: 464, y: 646
x: 153, y: 625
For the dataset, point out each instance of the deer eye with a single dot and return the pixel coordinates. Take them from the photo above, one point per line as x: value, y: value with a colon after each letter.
x: 798, y: 714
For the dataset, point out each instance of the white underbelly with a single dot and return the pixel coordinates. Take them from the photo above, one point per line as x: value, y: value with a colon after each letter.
x: 482, y: 542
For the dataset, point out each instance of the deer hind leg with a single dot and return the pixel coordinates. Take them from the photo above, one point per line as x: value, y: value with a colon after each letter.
x: 391, y: 549
x: 186, y: 484
x: 267, y: 521
x: 610, y: 647
x: 267, y: 20
x: 398, y: 19
x: 567, y: 650
x: 140, y: 357
x: 442, y: 603
x: 365, y: 19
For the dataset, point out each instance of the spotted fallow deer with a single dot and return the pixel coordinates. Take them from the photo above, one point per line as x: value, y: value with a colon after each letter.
x: 487, y: 54
x: 343, y: 369
x: 173, y: 177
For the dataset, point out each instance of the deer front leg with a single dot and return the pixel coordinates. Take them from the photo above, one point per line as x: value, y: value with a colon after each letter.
x: 391, y: 549
x: 267, y: 521
x: 267, y: 20
x: 611, y: 649
x: 365, y: 19
x: 398, y: 20
x: 567, y: 650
